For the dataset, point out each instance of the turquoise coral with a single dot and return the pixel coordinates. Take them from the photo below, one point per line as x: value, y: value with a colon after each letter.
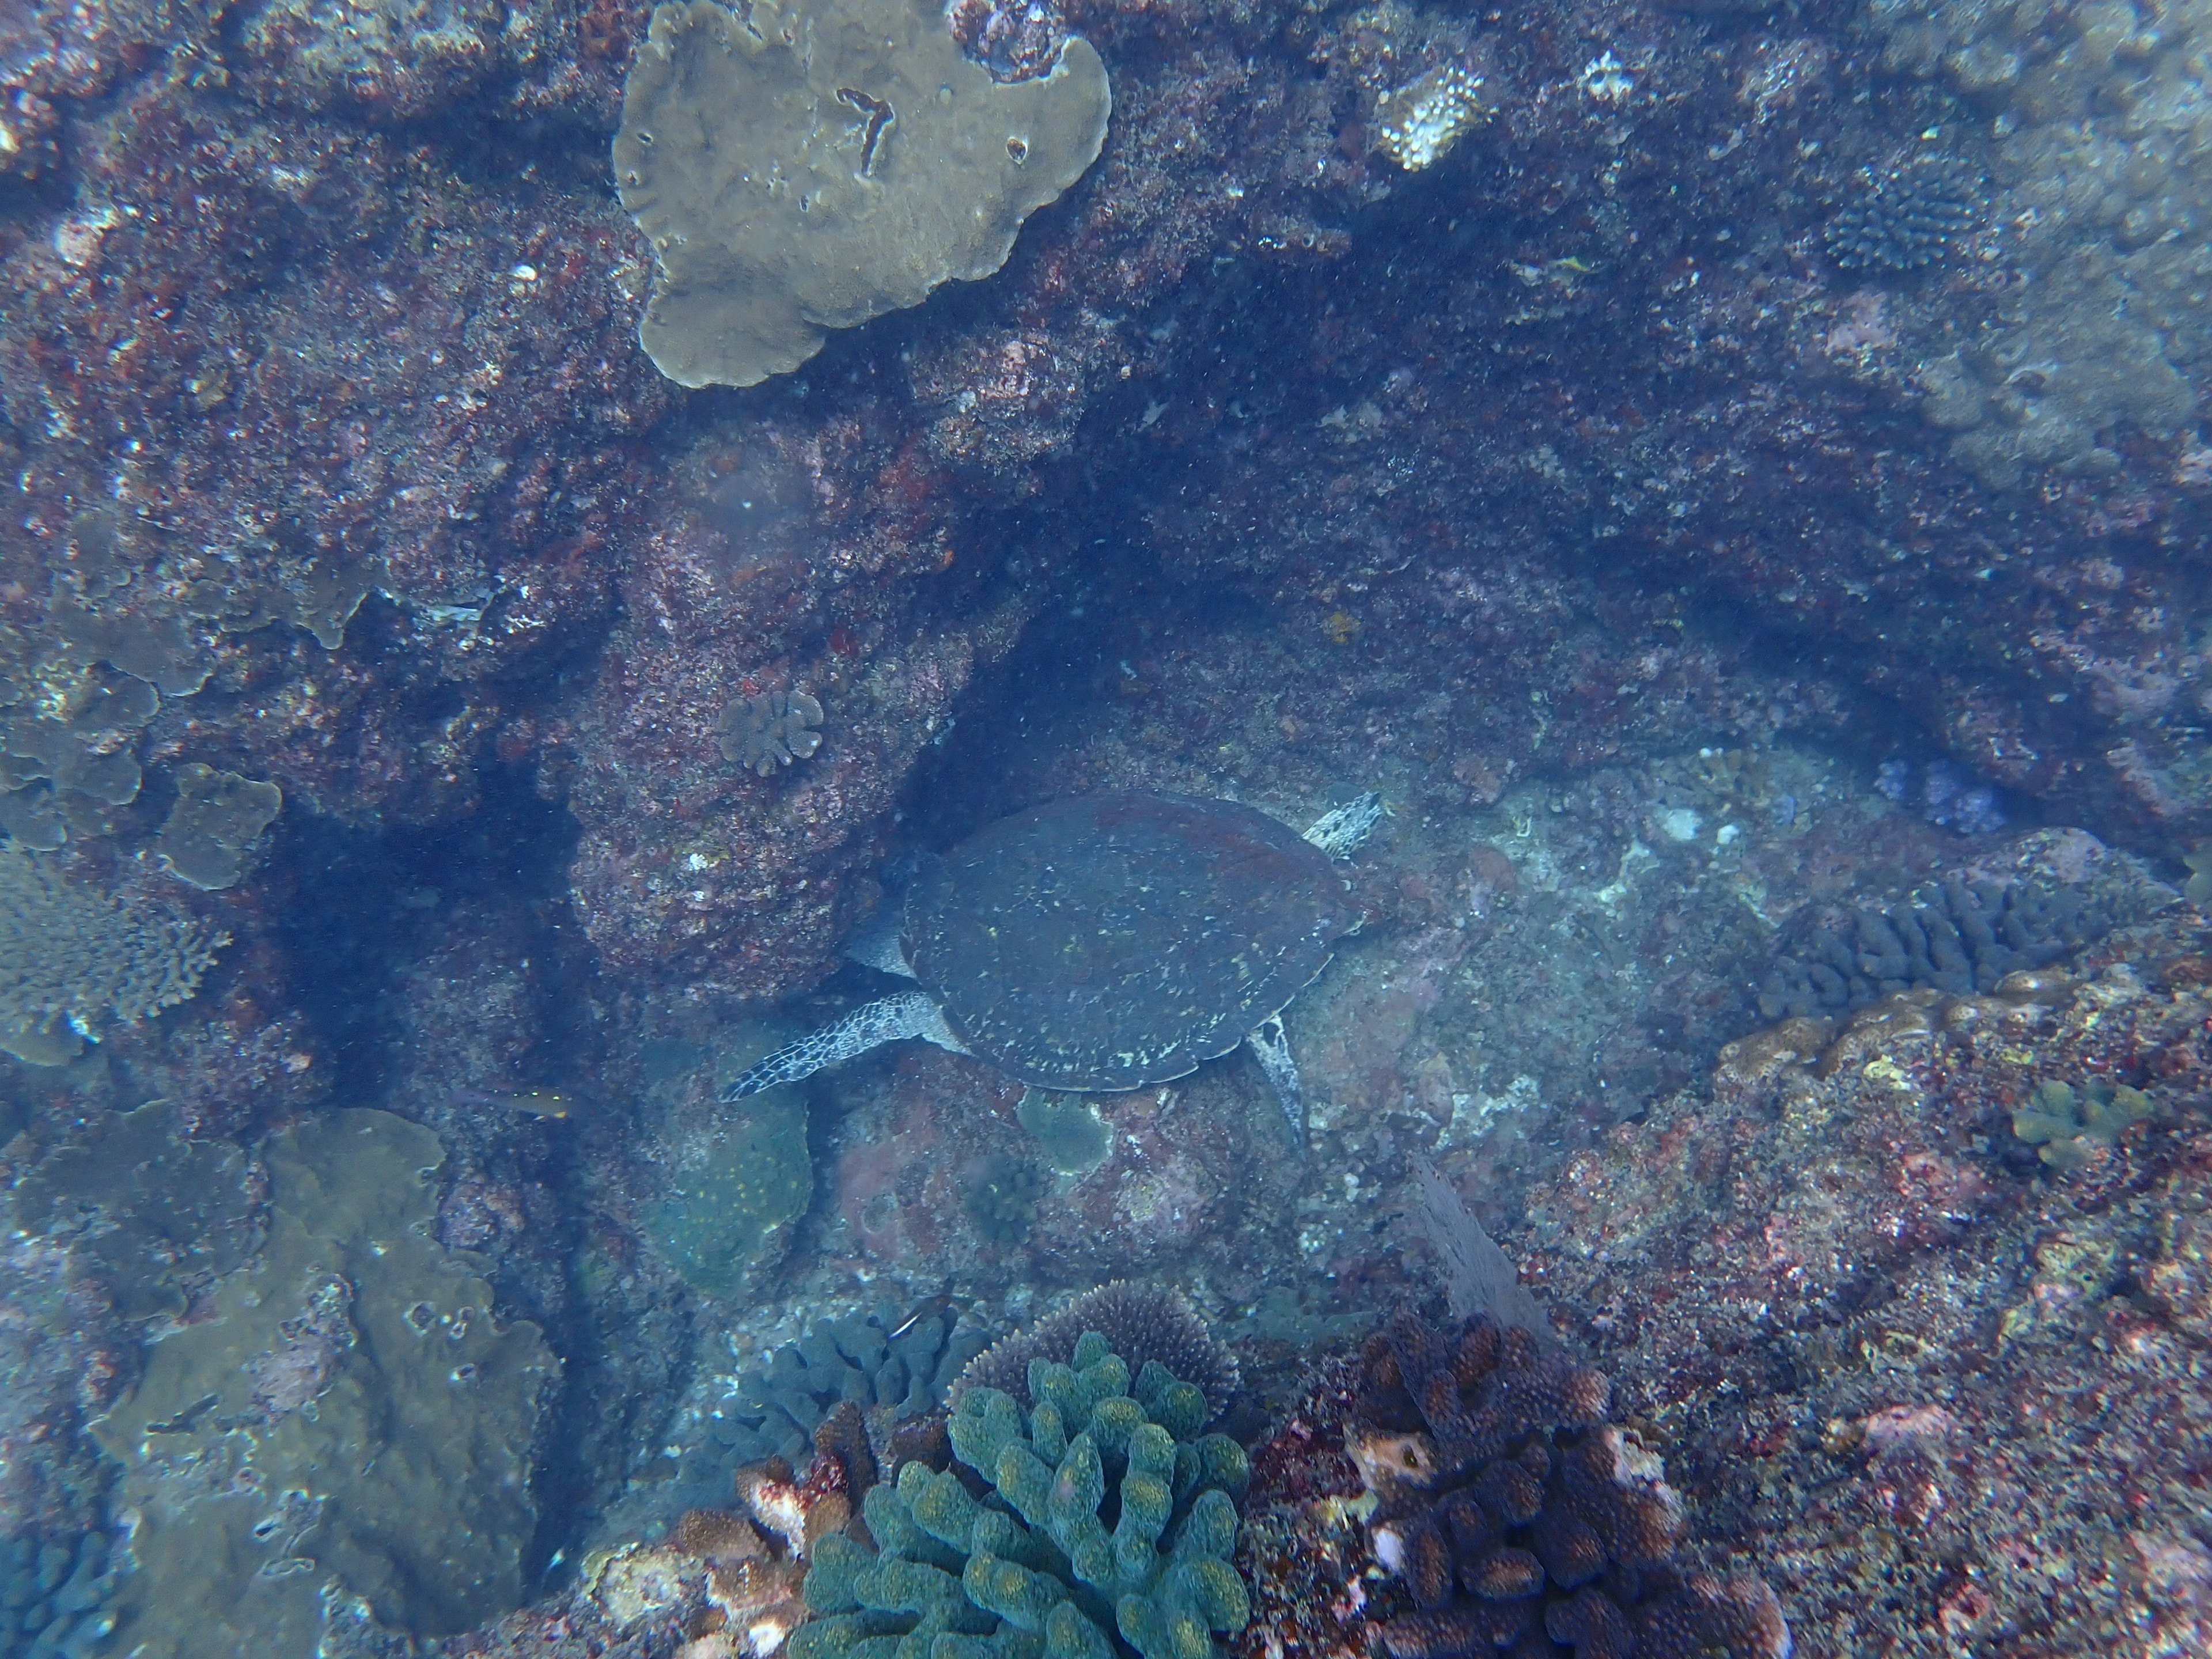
x: 1108, y: 1512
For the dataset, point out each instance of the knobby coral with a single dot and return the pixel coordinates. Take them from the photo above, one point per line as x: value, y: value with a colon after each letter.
x: 1513, y: 1512
x: 1107, y: 1511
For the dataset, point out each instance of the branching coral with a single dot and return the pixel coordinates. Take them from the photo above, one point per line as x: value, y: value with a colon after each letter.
x: 69, y: 955
x: 1509, y: 1507
x: 1107, y: 1512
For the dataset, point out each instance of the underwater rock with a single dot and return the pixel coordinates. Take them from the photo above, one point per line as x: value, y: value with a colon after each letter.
x: 815, y: 163
x: 347, y: 1413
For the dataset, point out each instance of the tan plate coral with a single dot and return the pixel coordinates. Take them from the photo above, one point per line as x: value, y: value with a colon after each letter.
x: 808, y: 167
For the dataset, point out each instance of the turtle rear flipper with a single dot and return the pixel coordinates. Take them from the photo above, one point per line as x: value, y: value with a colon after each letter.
x: 910, y: 1014
x: 1271, y: 1046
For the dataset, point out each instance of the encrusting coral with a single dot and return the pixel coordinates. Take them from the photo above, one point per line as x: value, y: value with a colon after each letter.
x: 1107, y: 1512
x: 2073, y: 1130
x: 1516, y: 1516
x: 807, y: 167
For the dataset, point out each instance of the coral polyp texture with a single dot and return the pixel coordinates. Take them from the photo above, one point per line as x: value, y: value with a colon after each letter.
x: 1418, y: 124
x: 1516, y: 1516
x: 811, y: 164
x: 1908, y: 215
x: 70, y: 956
x: 1141, y: 1322
x: 1107, y: 1515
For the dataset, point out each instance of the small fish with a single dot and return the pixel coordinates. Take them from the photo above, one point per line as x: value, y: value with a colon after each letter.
x: 537, y: 1102
x: 929, y: 1310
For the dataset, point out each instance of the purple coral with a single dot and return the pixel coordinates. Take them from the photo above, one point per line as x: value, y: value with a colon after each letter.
x: 1509, y: 1507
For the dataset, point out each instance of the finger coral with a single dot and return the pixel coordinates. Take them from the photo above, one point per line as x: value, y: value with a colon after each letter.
x: 805, y: 167
x: 1107, y: 1515
x: 1513, y: 1513
x: 1141, y: 1322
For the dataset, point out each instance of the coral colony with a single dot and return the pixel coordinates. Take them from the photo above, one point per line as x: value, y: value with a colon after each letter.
x: 1522, y: 699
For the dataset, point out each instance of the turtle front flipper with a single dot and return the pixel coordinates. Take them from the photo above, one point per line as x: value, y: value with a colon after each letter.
x: 1271, y: 1046
x: 910, y: 1014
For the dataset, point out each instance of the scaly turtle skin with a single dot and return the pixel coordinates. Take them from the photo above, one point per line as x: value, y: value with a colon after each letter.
x: 1109, y: 942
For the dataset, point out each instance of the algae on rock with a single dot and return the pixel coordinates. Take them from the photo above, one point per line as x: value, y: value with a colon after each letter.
x: 734, y: 1181
x: 814, y: 163
x: 346, y: 1420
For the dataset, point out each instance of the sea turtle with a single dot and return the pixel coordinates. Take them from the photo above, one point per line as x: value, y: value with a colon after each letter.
x: 1106, y: 942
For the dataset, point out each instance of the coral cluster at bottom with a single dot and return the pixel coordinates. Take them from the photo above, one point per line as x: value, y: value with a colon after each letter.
x: 1104, y: 1511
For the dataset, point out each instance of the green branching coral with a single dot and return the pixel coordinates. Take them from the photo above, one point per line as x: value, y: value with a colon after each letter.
x: 1108, y: 1513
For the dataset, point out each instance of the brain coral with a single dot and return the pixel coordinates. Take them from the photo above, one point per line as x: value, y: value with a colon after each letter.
x: 810, y: 165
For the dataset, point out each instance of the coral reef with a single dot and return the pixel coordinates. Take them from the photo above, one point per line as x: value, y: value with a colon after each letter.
x: 1459, y: 1490
x: 217, y: 818
x: 1041, y: 1562
x: 1141, y: 1322
x: 1417, y: 126
x: 152, y: 1218
x: 1943, y: 795
x: 771, y: 729
x: 919, y: 168
x: 56, y: 1595
x: 731, y: 1184
x: 1907, y: 215
x: 1849, y: 1305
x: 1508, y: 1504
x: 73, y: 957
x: 777, y: 1408
x: 1069, y: 1131
x: 347, y: 1411
x: 2070, y: 1128
x: 1956, y: 936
